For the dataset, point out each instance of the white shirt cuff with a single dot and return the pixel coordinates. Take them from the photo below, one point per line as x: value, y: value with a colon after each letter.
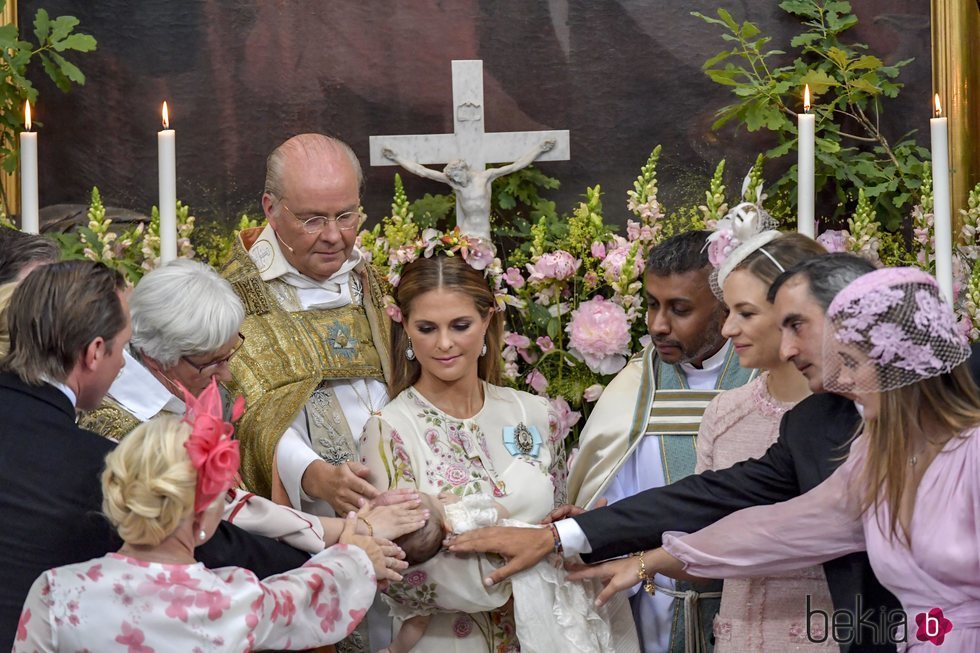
x: 293, y: 456
x: 573, y: 539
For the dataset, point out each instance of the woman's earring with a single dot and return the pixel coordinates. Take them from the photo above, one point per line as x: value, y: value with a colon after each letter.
x: 483, y: 352
x: 202, y: 535
x: 409, y: 352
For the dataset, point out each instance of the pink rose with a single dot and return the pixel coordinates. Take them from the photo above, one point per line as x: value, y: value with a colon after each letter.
x: 720, y: 246
x: 599, y: 335
x: 457, y: 475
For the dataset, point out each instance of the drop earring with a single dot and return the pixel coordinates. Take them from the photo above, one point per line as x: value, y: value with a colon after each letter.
x: 409, y: 352
x: 202, y: 535
x: 483, y: 351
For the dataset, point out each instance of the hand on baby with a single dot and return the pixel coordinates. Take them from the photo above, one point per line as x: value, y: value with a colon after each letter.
x: 394, y: 514
x: 386, y: 557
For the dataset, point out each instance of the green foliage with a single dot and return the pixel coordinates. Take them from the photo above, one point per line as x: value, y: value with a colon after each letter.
x: 56, y: 38
x: 849, y: 87
x: 213, y: 240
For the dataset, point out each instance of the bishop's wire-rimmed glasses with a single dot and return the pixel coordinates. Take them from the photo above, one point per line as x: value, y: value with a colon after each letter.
x: 314, y: 224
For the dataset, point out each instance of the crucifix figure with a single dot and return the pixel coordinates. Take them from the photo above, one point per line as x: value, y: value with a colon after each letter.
x: 468, y: 150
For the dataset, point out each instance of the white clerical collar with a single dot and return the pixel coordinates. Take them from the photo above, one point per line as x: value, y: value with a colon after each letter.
x: 68, y: 392
x: 706, y: 376
x: 140, y: 393
x: 267, y: 255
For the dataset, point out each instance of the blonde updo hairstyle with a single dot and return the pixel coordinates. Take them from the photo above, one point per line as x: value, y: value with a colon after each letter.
x: 451, y: 273
x: 148, y: 484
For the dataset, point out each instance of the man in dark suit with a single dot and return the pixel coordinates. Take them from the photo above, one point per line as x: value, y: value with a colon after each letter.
x: 813, y: 439
x: 69, y: 323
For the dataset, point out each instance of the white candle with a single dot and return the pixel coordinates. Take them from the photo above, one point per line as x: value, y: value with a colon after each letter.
x: 166, y: 141
x: 806, y: 125
x: 29, y: 219
x: 941, y: 210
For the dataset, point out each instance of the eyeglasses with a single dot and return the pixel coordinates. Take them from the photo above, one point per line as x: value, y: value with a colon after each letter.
x: 314, y: 224
x: 211, y: 368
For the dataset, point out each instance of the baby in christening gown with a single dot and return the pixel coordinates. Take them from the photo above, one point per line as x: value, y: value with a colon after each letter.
x: 551, y: 613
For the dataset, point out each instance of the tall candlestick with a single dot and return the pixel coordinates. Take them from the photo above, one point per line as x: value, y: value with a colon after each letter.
x: 167, y: 155
x: 941, y: 212
x: 30, y: 221
x: 806, y: 126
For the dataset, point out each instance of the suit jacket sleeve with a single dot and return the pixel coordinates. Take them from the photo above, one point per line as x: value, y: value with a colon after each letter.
x: 638, y: 522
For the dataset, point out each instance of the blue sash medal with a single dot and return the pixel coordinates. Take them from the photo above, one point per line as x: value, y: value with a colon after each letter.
x: 522, y: 440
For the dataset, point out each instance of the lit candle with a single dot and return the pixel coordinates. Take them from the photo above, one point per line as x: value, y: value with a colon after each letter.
x: 941, y: 211
x: 166, y: 140
x: 806, y: 124
x: 29, y: 219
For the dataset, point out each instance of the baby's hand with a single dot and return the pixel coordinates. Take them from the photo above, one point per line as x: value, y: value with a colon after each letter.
x: 448, y: 497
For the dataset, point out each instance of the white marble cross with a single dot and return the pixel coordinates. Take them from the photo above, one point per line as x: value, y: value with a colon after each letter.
x: 469, y: 141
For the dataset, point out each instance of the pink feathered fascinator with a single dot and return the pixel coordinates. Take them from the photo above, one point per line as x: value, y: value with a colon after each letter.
x: 213, y: 452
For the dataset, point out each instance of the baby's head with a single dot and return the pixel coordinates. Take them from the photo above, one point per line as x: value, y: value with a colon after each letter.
x: 423, y: 544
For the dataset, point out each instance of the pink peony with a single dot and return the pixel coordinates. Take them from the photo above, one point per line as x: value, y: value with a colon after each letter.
x: 513, y: 278
x: 593, y: 392
x: 553, y: 266
x: 537, y: 381
x: 834, y: 240
x: 599, y: 334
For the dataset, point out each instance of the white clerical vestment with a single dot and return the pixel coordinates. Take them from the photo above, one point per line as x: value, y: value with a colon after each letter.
x: 641, y: 471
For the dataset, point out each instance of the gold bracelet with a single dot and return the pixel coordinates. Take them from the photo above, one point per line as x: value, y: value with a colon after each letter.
x: 369, y: 527
x: 648, y: 585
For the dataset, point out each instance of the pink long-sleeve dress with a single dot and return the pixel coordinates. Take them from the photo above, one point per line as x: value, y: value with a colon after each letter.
x: 118, y: 603
x: 759, y: 613
x: 939, y: 572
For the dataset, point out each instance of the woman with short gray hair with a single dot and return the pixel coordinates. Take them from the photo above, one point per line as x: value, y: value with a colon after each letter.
x: 185, y: 321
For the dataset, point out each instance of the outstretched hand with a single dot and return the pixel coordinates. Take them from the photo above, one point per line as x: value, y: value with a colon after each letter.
x: 567, y: 510
x: 386, y: 557
x: 395, y: 519
x: 521, y: 547
x: 342, y: 486
x: 616, y: 576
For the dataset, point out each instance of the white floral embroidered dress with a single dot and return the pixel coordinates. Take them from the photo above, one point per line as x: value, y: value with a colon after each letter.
x: 414, y: 444
x: 118, y: 603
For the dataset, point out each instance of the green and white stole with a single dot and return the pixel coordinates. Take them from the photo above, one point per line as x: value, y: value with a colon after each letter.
x: 674, y: 416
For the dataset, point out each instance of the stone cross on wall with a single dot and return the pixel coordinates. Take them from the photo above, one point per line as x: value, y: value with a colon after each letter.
x: 468, y: 150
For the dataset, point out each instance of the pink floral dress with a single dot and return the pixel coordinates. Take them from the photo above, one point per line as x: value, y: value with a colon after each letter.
x: 118, y: 603
x: 414, y: 444
x: 760, y: 613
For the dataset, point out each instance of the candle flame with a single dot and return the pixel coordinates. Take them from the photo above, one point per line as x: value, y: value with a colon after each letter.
x: 806, y: 98
x: 939, y: 107
x: 27, y: 115
x: 166, y: 116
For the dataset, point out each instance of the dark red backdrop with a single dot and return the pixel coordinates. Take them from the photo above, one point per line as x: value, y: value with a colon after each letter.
x: 242, y: 75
